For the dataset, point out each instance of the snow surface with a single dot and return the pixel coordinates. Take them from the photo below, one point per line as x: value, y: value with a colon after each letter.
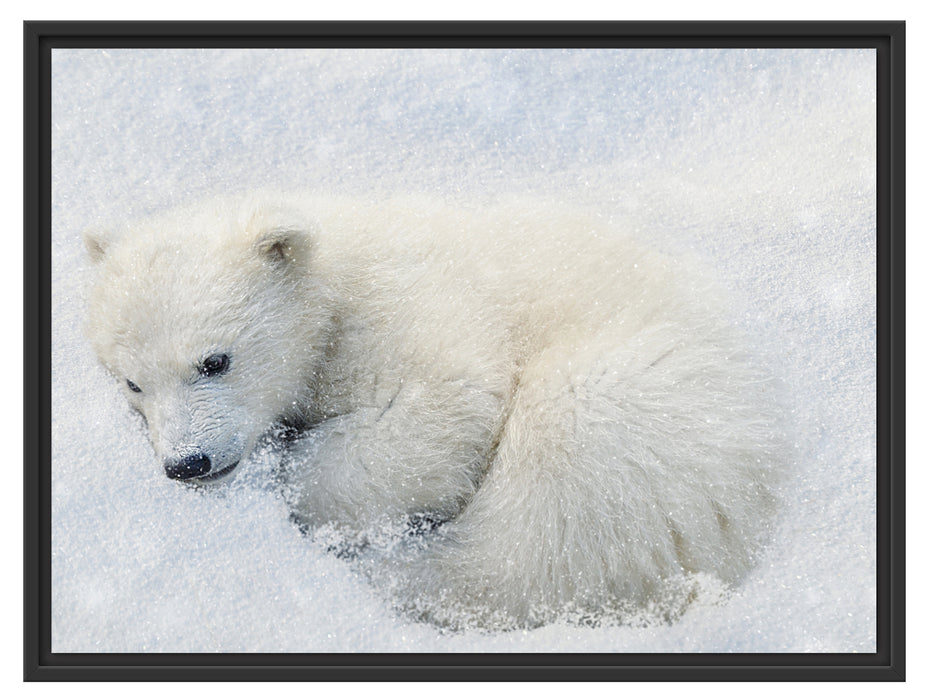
x: 760, y: 162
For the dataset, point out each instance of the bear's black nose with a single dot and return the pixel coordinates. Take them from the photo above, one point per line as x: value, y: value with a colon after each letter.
x: 189, y: 467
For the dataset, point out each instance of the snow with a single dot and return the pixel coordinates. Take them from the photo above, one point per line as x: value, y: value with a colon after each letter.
x: 760, y: 162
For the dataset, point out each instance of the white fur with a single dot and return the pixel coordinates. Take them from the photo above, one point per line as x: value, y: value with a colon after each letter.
x: 577, y: 407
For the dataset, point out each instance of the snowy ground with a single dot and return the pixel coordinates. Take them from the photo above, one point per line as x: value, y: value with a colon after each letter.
x: 760, y: 162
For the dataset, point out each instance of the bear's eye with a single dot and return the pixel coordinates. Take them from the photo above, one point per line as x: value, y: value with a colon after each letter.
x: 132, y: 386
x: 214, y: 365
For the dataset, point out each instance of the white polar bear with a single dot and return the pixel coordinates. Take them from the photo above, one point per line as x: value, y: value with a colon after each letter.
x: 576, y: 410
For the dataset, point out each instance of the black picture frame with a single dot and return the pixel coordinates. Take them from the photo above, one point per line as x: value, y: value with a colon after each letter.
x: 887, y: 38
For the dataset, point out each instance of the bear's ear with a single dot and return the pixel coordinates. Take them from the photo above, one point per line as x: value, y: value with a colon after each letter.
x: 283, y: 246
x: 97, y: 242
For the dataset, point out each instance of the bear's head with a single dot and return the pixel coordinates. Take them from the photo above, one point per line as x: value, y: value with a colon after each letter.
x: 211, y: 320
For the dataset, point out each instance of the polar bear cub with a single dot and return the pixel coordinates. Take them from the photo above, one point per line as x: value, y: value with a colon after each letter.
x: 574, y: 410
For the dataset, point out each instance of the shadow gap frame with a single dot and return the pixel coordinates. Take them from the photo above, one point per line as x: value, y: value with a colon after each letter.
x: 887, y: 38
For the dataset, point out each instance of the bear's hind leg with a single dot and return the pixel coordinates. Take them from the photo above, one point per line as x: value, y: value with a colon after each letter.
x: 616, y: 472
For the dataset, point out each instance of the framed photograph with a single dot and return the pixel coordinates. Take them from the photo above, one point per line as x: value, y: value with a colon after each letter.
x: 464, y: 351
